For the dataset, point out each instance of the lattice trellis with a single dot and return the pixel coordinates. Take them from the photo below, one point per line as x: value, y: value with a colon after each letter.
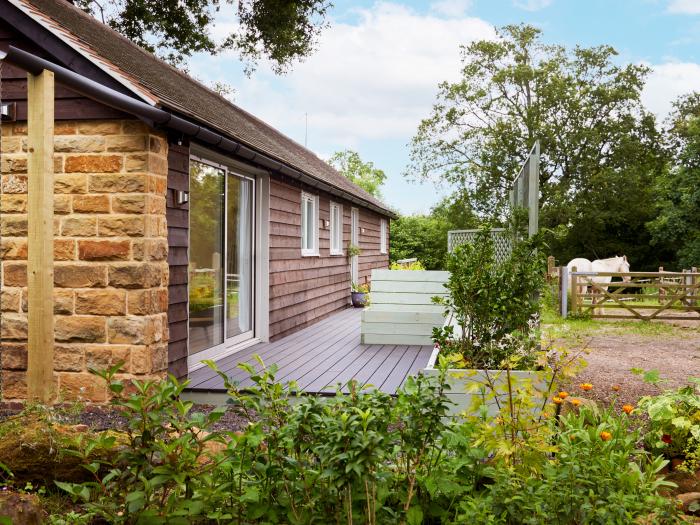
x: 502, y: 242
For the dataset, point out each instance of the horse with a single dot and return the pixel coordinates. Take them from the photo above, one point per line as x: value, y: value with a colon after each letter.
x: 617, y: 264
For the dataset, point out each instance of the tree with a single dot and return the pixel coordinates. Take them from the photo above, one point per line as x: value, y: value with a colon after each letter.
x: 585, y: 110
x: 281, y: 31
x: 678, y: 222
x: 364, y: 174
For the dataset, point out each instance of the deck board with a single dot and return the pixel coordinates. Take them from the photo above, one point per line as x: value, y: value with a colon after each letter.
x: 320, y: 356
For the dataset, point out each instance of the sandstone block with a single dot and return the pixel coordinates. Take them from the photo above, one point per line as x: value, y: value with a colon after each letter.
x: 14, y: 184
x: 14, y: 384
x: 122, y: 183
x: 65, y: 128
x: 14, y: 274
x: 13, y: 248
x: 119, y: 226
x: 101, y: 357
x: 129, y: 203
x: 62, y: 204
x: 13, y: 163
x: 79, y: 226
x: 79, y: 144
x: 132, y: 127
x: 100, y: 302
x: 14, y: 356
x: 100, y: 127
x: 103, y: 250
x: 135, y: 275
x: 80, y: 328
x: 13, y: 203
x: 13, y: 226
x: 147, y: 302
x: 157, y: 145
x: 141, y: 360
x: 150, y: 249
x: 93, y: 163
x: 126, y: 143
x: 80, y: 275
x: 13, y: 326
x: 82, y: 386
x: 69, y: 358
x: 12, y: 145
x: 135, y: 330
x: 70, y: 183
x: 91, y: 204
x: 63, y: 249
x: 10, y: 299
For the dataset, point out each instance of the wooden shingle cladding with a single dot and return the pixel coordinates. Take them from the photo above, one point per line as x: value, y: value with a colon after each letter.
x: 178, y: 240
x: 304, y: 290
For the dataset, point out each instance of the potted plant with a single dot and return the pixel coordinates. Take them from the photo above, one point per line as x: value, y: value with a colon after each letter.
x: 359, y: 295
x: 490, y: 342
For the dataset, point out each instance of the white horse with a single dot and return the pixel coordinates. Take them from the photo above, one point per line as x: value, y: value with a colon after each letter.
x: 617, y: 264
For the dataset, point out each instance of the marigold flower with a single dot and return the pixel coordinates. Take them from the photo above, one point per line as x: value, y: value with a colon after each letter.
x: 627, y: 409
x: 615, y: 388
x: 575, y: 402
x: 557, y: 400
x: 563, y: 394
x: 586, y: 386
x: 666, y: 438
x: 605, y: 436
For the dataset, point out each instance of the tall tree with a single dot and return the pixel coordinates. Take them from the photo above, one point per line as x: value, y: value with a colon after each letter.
x: 585, y: 110
x: 364, y: 174
x: 282, y: 31
x: 678, y: 222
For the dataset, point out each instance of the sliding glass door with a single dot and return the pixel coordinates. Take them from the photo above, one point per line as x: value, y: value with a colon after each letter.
x: 221, y: 259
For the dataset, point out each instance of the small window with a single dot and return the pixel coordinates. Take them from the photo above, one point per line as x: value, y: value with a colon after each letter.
x: 309, y: 224
x: 336, y: 229
x: 382, y: 234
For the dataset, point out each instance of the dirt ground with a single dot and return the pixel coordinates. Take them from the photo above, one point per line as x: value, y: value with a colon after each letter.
x: 613, y: 349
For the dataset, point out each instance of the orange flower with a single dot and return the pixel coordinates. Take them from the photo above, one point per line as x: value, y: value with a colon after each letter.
x: 627, y: 409
x: 586, y: 386
x: 563, y: 394
x: 575, y: 402
x: 557, y: 400
x: 605, y: 436
x: 615, y: 388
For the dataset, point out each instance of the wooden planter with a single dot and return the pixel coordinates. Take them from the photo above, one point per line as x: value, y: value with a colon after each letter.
x: 467, y: 385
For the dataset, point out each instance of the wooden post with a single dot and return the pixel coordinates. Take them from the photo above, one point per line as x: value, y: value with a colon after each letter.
x: 40, y: 124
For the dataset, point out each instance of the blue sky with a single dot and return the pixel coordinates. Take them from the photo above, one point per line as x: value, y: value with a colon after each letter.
x: 376, y: 71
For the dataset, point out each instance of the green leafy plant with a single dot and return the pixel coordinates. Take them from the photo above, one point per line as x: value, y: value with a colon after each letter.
x: 415, y: 265
x: 360, y: 288
x: 353, y: 250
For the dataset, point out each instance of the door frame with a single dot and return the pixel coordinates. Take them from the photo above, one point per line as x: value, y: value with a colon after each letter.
x: 260, y: 257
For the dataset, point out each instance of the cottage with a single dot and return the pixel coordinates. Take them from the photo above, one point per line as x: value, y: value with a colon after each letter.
x: 184, y: 227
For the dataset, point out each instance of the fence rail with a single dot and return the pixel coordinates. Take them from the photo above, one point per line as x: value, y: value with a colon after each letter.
x: 638, y: 295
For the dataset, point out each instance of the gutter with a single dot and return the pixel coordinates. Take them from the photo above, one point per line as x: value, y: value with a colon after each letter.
x: 159, y: 117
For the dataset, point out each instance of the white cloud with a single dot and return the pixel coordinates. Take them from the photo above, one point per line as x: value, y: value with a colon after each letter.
x: 667, y: 82
x: 687, y: 7
x: 534, y: 5
x: 451, y: 8
x: 374, y: 79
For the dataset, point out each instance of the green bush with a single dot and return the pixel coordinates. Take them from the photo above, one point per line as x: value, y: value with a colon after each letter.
x: 359, y: 457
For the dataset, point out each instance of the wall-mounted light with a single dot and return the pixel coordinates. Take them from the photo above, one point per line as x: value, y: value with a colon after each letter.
x: 182, y: 197
x: 9, y: 111
x: 362, y: 230
x: 326, y: 223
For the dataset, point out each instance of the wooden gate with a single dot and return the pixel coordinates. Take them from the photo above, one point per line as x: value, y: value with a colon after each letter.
x: 644, y: 295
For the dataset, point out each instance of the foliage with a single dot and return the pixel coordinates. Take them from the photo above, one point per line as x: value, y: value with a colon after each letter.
x: 164, y: 471
x: 362, y: 457
x: 600, y: 149
x: 360, y: 288
x: 203, y: 292
x: 353, y: 250
x: 492, y: 303
x: 414, y: 266
x: 364, y: 174
x: 425, y: 236
x: 678, y: 222
x: 674, y: 423
x: 279, y: 31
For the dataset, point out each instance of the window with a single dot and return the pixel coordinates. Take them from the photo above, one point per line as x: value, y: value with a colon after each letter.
x: 382, y: 233
x: 309, y: 224
x: 336, y: 229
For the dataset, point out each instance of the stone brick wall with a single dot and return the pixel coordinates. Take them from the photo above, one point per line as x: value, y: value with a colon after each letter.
x: 110, y: 251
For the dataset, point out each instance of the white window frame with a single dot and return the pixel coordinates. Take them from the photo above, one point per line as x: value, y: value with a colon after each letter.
x: 382, y: 236
x: 336, y: 229
x: 313, y: 251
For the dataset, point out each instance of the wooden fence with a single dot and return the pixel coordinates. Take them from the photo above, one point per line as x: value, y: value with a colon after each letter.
x: 633, y: 295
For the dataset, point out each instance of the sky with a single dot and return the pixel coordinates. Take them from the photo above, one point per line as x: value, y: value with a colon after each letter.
x: 376, y: 71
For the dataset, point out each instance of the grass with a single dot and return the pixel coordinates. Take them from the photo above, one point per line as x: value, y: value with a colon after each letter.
x: 556, y: 327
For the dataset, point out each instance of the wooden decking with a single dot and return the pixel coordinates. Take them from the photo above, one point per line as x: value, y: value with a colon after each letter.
x: 321, y: 356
